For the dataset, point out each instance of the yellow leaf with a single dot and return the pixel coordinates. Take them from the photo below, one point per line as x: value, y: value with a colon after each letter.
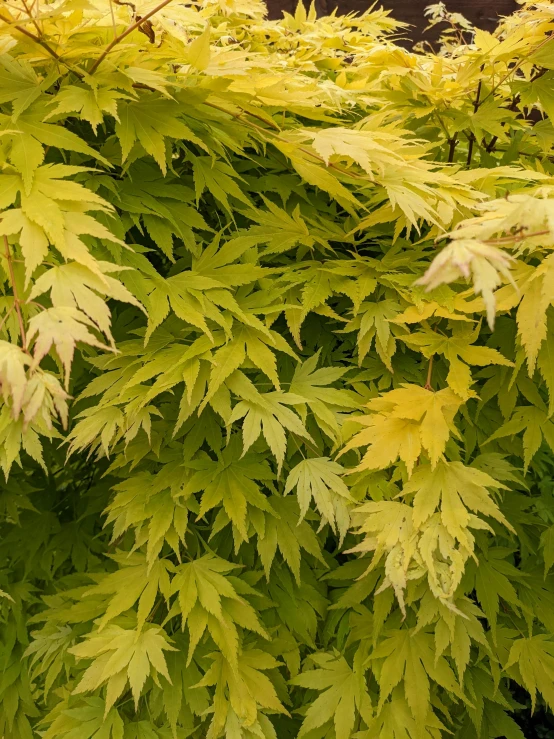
x: 198, y: 51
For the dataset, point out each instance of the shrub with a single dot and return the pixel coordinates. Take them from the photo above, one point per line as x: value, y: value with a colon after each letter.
x: 277, y: 371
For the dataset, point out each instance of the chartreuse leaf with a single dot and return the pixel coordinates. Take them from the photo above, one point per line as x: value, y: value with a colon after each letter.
x: 319, y: 479
x: 88, y: 720
x: 409, y: 659
x: 404, y: 423
x: 122, y: 657
x: 344, y: 694
x: 283, y: 290
x: 534, y: 658
x: 207, y: 600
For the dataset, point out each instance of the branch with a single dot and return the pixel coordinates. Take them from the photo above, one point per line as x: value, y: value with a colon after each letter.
x: 492, y: 143
x: 517, y: 237
x: 125, y: 33
x: 44, y: 45
x: 35, y: 38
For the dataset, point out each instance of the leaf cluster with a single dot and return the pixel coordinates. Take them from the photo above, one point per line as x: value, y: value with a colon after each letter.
x: 276, y: 372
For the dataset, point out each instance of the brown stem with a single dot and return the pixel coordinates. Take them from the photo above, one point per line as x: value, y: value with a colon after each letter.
x: 428, y: 385
x: 492, y: 143
x: 16, y: 300
x: 31, y: 18
x: 35, y: 38
x: 44, y: 45
x: 516, y: 237
x: 125, y: 33
x: 472, y: 137
x: 452, y: 149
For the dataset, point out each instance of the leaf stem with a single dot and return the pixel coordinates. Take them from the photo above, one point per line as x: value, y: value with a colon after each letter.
x: 517, y: 237
x: 428, y: 385
x: 472, y: 136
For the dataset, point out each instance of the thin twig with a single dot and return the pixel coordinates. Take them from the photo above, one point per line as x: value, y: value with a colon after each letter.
x: 35, y: 38
x: 33, y: 20
x: 17, y: 302
x: 516, y: 237
x: 113, y: 20
x: 125, y: 33
x: 44, y: 45
x: 492, y: 143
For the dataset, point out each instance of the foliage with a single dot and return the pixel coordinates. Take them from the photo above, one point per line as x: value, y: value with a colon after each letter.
x: 277, y: 372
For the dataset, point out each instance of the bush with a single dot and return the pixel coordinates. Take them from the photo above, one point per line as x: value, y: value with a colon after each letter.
x: 277, y: 369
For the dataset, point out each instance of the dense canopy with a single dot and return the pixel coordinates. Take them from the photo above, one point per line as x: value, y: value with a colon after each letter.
x: 277, y: 373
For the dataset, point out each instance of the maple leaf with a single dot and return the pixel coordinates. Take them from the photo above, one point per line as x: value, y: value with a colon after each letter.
x: 231, y: 482
x: 535, y: 424
x: 90, y: 719
x: 75, y: 286
x: 208, y: 599
x: 493, y: 581
x: 318, y: 478
x: 373, y: 323
x: 150, y: 125
x: 62, y: 327
x: 182, y: 692
x: 416, y: 540
x: 344, y: 693
x: 287, y: 532
x: 534, y: 657
x: 220, y: 180
x: 408, y: 657
x: 460, y: 351
x: 324, y: 402
x: 13, y: 374
x: 156, y: 506
x: 538, y: 295
x: 396, y: 721
x: 120, y: 656
x: 486, y: 265
x: 459, y: 489
x: 44, y: 400
x: 266, y: 413
x: 134, y: 582
x: 404, y: 423
x: 245, y: 687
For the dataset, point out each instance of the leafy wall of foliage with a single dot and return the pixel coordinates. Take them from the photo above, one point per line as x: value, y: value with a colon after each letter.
x: 277, y: 373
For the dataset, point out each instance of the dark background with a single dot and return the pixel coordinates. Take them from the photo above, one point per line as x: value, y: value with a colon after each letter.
x: 483, y: 13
